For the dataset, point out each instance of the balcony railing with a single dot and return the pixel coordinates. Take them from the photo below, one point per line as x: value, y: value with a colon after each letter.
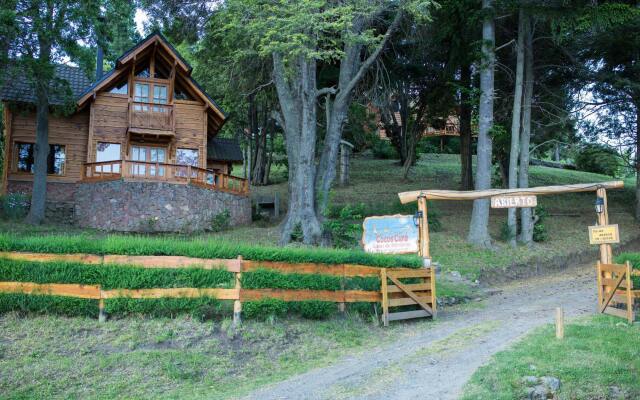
x: 151, y: 116
x: 173, y: 173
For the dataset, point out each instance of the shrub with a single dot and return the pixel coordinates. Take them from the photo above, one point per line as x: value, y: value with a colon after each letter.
x: 346, y: 228
x: 539, y: 230
x: 15, y: 205
x: 599, y: 159
x: 265, y: 308
x: 383, y: 149
x: 202, y: 308
x: 67, y: 306
x: 221, y: 221
x: 313, y: 309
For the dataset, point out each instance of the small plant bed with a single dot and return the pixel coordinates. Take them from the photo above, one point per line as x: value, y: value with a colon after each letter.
x: 54, y: 356
x: 598, y: 359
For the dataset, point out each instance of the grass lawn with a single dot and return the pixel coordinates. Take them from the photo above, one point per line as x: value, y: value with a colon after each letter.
x: 58, y: 357
x: 597, y: 354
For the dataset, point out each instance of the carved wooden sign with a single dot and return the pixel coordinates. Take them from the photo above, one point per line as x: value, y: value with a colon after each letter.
x: 514, y: 201
x: 391, y: 234
x: 604, y: 234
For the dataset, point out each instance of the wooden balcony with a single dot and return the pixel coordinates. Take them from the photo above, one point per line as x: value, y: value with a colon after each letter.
x: 152, y: 119
x: 162, y: 172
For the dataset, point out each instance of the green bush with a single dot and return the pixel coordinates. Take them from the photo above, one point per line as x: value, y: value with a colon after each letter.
x: 209, y: 248
x: 313, y: 309
x: 265, y: 308
x: 41, y: 304
x: 270, y: 279
x: 540, y: 233
x: 599, y: 159
x: 202, y: 308
x: 346, y: 227
x: 383, y: 149
x: 15, y: 205
x: 221, y: 221
x: 634, y: 259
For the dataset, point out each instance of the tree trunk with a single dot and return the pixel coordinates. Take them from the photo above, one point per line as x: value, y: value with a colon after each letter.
x: 479, y: 227
x: 297, y: 97
x: 512, y: 221
x: 39, y: 191
x: 526, y: 216
x: 466, y: 153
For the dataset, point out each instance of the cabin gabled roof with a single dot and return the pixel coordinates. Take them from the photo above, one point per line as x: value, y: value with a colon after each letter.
x: 154, y: 39
x: 18, y: 88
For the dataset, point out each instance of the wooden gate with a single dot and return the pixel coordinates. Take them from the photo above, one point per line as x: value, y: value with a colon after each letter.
x: 615, y: 287
x: 420, y: 291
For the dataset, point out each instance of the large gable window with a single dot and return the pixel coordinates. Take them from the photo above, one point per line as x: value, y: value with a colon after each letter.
x: 108, y: 152
x: 25, y: 158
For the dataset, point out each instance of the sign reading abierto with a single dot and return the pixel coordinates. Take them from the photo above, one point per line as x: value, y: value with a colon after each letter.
x: 510, y: 201
x: 604, y: 234
x: 392, y: 234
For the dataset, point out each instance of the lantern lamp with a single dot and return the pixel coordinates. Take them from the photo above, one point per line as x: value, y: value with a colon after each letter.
x: 599, y: 205
x: 417, y: 217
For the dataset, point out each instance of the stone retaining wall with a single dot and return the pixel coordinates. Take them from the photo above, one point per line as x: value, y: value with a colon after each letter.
x: 133, y: 206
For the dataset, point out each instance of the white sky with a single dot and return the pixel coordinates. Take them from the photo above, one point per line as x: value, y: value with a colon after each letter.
x: 141, y: 18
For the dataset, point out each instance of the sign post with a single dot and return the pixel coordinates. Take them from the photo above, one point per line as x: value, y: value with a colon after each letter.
x: 424, y: 251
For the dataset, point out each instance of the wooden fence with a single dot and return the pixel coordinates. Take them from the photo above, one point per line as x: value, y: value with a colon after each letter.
x: 616, y: 295
x: 237, y: 294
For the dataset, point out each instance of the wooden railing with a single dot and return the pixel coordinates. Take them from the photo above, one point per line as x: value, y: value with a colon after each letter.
x: 174, y: 173
x: 151, y: 116
x: 389, y: 295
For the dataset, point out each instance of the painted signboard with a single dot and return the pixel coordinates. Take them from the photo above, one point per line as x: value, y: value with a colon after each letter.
x: 392, y: 234
x: 511, y: 201
x: 604, y: 234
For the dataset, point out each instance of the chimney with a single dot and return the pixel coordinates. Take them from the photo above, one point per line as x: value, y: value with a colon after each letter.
x: 100, y: 55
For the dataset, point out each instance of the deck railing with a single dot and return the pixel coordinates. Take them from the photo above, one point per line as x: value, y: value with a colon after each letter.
x: 173, y: 173
x: 151, y: 116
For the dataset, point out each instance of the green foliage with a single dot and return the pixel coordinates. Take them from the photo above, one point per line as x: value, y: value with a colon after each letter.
x: 15, y: 205
x: 505, y: 232
x: 634, y: 259
x: 264, y: 308
x: 539, y: 229
x: 599, y: 159
x: 382, y: 149
x: 113, y: 276
x: 314, y: 309
x: 48, y: 305
x: 346, y: 228
x: 202, y: 308
x: 201, y: 248
x: 221, y: 221
x: 264, y: 278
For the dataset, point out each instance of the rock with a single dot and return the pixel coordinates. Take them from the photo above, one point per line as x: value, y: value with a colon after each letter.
x: 552, y: 383
x: 538, y: 393
x: 530, y: 380
x: 616, y: 393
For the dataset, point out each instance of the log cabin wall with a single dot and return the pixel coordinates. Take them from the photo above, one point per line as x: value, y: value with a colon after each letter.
x: 71, y: 132
x: 109, y: 122
x: 191, y: 125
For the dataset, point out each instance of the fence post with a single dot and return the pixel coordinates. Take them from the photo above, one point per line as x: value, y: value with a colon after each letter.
x: 385, y: 296
x: 237, y: 304
x: 629, y: 297
x: 559, y: 323
x: 341, y: 306
x: 102, y: 317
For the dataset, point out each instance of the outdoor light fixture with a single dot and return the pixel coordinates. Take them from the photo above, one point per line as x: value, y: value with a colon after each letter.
x: 599, y: 205
x: 417, y: 217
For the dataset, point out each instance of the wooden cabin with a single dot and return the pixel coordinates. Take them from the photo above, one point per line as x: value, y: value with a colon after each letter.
x: 145, y: 122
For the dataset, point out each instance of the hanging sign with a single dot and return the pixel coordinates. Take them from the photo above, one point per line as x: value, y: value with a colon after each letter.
x: 391, y: 234
x: 514, y: 201
x: 604, y: 234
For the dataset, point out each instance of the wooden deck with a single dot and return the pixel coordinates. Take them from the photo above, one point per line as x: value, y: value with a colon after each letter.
x: 163, y: 172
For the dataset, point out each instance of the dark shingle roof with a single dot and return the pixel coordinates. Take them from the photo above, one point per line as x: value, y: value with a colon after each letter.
x: 18, y: 88
x: 220, y: 149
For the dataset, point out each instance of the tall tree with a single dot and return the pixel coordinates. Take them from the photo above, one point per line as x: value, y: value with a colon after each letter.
x: 526, y: 234
x: 47, y: 31
x: 479, y: 227
x: 514, y: 154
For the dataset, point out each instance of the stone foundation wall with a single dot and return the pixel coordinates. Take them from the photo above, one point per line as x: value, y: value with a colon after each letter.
x: 155, y: 206
x: 60, y: 199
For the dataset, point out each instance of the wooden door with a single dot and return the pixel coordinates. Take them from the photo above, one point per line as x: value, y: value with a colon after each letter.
x: 150, y: 160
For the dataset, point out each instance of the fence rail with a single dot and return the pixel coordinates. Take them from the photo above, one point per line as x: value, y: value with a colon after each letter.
x: 236, y: 266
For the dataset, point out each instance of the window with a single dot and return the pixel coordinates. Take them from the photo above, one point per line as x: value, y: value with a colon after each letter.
x: 187, y: 157
x: 120, y: 88
x: 108, y: 152
x: 159, y: 97
x: 142, y: 95
x: 143, y: 73
x: 26, y: 158
x: 149, y: 154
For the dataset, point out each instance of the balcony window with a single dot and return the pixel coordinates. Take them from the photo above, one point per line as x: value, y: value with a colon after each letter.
x: 25, y: 161
x: 108, y: 152
x: 159, y: 97
x: 141, y: 95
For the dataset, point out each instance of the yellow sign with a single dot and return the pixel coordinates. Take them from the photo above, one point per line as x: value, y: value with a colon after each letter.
x: 604, y: 234
x: 511, y: 201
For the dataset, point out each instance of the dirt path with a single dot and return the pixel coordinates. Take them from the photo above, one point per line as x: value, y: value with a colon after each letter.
x: 437, y: 362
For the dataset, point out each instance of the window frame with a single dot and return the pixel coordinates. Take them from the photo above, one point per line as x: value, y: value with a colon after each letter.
x: 16, y: 158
